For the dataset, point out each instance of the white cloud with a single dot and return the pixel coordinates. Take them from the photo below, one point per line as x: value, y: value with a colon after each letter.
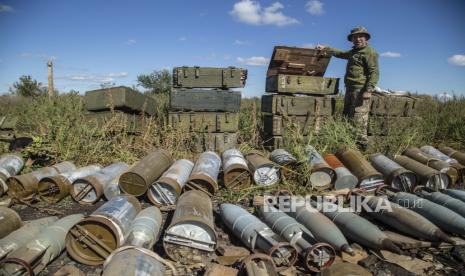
x: 253, y: 61
x: 458, y: 60
x: 96, y: 78
x: 6, y: 8
x: 130, y: 41
x: 241, y: 42
x: 308, y: 45
x: 315, y: 7
x: 391, y: 54
x: 182, y: 38
x: 251, y: 12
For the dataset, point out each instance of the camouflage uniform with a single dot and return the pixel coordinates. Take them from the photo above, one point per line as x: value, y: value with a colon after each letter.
x: 362, y: 74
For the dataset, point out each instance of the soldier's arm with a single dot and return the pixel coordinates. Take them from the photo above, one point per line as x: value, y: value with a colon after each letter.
x: 372, y: 71
x: 338, y: 53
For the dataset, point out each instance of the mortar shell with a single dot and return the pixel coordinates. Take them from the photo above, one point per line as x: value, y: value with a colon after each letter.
x: 433, y: 162
x: 89, y: 189
x: 137, y: 180
x: 131, y: 260
x: 368, y: 177
x: 21, y: 186
x: 54, y: 188
x: 282, y: 157
x: 236, y: 173
x: 23, y: 235
x: 112, y: 189
x: 92, y: 239
x: 320, y: 180
x: 455, y: 193
x: 166, y: 190
x: 191, y: 237
x: 204, y: 175
x: 145, y: 228
x: 396, y: 175
x: 10, y: 165
x: 319, y: 164
x: 9, y: 221
x: 459, y: 156
x: 264, y: 171
x: 438, y: 154
x: 429, y: 177
x: 344, y: 178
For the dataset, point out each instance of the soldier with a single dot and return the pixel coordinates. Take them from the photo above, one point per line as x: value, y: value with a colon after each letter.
x: 362, y: 74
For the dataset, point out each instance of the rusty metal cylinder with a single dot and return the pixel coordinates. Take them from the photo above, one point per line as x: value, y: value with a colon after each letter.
x: 256, y: 235
x: 319, y: 164
x: 428, y: 177
x: 236, y: 173
x: 145, y: 228
x: 10, y: 165
x: 191, y: 237
x: 89, y: 189
x: 396, y: 175
x: 344, y: 178
x: 130, y: 260
x: 438, y: 154
x: 34, y: 256
x: 23, y: 235
x: 204, y: 175
x: 137, y: 180
x: 264, y: 171
x: 368, y: 177
x: 459, y: 156
x: 54, y: 188
x: 166, y: 190
x: 282, y: 157
x: 9, y: 221
x: 315, y: 256
x: 21, y: 186
x: 433, y: 162
x: 93, y: 239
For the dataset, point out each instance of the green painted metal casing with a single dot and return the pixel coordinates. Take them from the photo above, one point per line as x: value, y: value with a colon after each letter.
x: 209, y: 77
x: 205, y: 100
x: 120, y: 98
x: 299, y: 106
x: 292, y: 84
x: 204, y: 121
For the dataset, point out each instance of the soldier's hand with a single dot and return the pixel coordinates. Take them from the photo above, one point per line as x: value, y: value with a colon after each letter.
x: 366, y: 95
x: 320, y: 47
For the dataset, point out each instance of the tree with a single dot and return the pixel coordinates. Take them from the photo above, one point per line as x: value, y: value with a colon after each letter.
x: 159, y: 81
x: 28, y: 87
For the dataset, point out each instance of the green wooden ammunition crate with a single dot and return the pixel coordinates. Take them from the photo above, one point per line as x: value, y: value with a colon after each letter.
x: 120, y: 98
x: 132, y: 123
x: 209, y: 77
x: 217, y: 142
x: 293, y: 84
x: 205, y: 100
x: 393, y: 105
x: 298, y: 105
x: 204, y: 121
x: 278, y: 125
x: 298, y: 61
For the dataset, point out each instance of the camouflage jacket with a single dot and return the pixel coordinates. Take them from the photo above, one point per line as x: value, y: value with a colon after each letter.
x: 362, y: 66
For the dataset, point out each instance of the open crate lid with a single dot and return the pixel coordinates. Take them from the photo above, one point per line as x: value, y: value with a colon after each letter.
x: 298, y: 61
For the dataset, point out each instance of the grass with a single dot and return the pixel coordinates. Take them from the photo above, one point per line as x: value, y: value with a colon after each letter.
x: 61, y: 131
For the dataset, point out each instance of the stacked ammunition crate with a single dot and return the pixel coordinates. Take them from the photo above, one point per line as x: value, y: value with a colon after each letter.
x: 121, y: 104
x: 202, y: 102
x: 393, y: 113
x: 299, y: 97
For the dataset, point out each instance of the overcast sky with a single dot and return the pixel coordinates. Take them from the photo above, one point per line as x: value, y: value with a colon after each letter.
x: 421, y: 42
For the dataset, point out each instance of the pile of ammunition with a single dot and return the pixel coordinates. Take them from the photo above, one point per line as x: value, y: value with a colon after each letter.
x: 422, y: 188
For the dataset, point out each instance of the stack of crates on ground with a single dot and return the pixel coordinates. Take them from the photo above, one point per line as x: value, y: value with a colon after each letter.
x: 121, y: 104
x: 393, y: 113
x: 299, y: 97
x: 202, y: 102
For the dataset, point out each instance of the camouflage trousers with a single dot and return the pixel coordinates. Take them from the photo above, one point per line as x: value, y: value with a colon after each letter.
x: 357, y: 109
